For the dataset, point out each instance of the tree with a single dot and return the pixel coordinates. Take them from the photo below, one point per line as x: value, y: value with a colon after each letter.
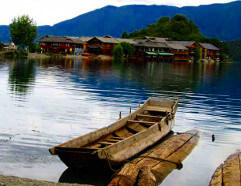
x: 197, y: 54
x: 124, y: 35
x: 127, y: 48
x: 23, y: 31
x: 118, y: 51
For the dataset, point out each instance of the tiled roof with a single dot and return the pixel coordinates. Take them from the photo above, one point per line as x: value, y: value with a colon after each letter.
x: 107, y: 40
x: 209, y: 46
x: 86, y: 39
x: 177, y: 46
x: 157, y: 39
x: 185, y: 43
x: 131, y: 41
x: 65, y: 39
x: 151, y: 44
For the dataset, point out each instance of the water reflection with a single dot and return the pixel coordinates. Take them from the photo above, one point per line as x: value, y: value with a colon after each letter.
x: 22, y: 75
x: 91, y: 176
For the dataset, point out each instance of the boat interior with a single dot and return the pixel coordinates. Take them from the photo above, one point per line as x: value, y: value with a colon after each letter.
x: 141, y: 122
x: 151, y: 114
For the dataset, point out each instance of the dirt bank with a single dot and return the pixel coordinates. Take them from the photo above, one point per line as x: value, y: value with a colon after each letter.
x: 11, y: 180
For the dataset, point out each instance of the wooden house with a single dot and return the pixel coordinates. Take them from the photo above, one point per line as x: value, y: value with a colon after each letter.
x: 101, y: 45
x: 190, y: 45
x: 148, y: 49
x: 180, y: 52
x: 209, y: 51
x: 61, y: 45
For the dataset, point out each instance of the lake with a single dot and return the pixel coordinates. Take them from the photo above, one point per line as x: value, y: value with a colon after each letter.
x: 46, y: 102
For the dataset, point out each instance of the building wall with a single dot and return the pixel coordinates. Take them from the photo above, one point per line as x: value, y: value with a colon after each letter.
x: 59, y: 48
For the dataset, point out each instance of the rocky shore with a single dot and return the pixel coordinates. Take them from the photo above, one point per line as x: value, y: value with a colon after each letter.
x: 12, y: 180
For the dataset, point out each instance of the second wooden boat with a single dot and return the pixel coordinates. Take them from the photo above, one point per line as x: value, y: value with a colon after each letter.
x: 122, y: 139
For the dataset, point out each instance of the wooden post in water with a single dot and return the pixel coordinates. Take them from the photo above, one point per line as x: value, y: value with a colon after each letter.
x: 120, y: 115
x: 130, y: 110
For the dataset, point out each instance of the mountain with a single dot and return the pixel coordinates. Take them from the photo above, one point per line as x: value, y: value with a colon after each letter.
x: 216, y: 20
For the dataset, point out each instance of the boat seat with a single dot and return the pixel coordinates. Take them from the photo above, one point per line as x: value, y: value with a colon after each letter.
x: 158, y: 109
x: 144, y: 122
x: 149, y: 116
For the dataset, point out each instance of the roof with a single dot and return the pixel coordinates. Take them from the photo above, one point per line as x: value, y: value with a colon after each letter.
x: 209, y: 46
x: 131, y: 41
x: 106, y: 40
x: 77, y: 40
x: 177, y: 46
x: 165, y: 54
x: 185, y: 43
x: 86, y: 39
x: 151, y: 44
x: 64, y: 39
x: 157, y: 39
x: 151, y: 53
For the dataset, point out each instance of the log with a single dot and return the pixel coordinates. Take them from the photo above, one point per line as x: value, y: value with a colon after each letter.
x: 160, y: 160
x: 228, y: 173
x: 146, y: 177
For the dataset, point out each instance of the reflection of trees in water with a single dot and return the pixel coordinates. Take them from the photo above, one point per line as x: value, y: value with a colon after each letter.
x: 22, y: 75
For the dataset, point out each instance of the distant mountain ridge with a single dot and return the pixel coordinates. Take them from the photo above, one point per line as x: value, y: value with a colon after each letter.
x: 216, y: 20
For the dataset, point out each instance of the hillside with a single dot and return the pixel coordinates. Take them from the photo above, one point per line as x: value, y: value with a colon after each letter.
x: 217, y: 20
x: 235, y: 49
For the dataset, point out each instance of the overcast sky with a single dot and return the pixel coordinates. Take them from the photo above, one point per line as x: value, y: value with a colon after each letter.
x: 49, y: 12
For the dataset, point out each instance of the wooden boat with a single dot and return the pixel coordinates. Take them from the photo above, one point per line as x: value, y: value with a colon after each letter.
x: 122, y: 139
x: 153, y: 166
x: 228, y: 173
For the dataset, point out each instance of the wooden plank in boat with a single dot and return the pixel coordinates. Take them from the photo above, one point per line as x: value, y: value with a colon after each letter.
x: 149, y: 116
x: 145, y: 122
x: 158, y: 109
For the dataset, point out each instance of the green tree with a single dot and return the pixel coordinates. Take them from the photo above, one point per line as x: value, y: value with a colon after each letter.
x: 197, y: 54
x: 23, y: 31
x: 118, y: 52
x: 127, y: 48
x: 124, y: 35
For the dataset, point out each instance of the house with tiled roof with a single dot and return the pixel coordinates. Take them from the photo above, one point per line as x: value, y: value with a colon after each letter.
x: 209, y: 51
x: 61, y: 45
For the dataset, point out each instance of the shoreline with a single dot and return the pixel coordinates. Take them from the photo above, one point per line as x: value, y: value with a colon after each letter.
x: 13, y: 180
x: 43, y: 56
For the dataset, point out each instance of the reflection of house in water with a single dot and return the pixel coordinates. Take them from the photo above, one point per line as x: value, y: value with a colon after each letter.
x: 61, y: 45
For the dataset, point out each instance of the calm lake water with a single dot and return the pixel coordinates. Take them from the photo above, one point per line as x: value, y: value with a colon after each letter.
x: 46, y: 102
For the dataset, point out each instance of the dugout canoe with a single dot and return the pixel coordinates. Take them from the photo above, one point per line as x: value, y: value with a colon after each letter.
x: 122, y: 139
x: 228, y: 173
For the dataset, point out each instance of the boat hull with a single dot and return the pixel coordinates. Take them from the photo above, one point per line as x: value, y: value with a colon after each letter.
x: 123, y: 139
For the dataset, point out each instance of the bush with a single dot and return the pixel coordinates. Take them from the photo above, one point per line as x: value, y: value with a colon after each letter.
x: 11, y: 54
x: 22, y: 54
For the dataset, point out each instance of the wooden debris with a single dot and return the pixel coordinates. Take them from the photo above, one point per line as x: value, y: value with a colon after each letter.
x: 228, y: 173
x: 160, y: 160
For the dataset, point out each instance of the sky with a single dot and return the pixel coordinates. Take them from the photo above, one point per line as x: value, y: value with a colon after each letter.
x: 49, y: 12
